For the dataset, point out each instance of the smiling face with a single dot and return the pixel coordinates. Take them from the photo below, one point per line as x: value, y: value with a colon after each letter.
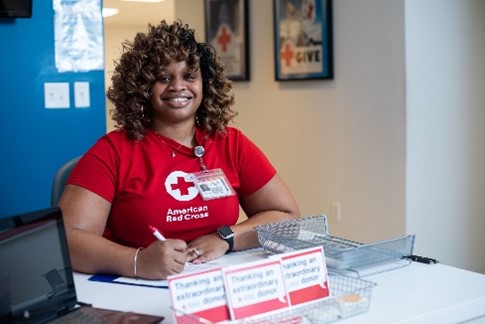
x: 176, y: 95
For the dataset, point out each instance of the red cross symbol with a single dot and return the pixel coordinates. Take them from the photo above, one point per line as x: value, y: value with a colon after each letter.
x: 310, y: 11
x: 182, y: 185
x: 287, y: 54
x: 224, y: 38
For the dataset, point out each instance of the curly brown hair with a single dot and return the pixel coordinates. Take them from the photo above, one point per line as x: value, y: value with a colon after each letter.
x: 140, y: 65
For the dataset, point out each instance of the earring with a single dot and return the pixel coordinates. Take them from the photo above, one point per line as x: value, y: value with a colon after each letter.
x: 142, y: 112
x: 197, y: 122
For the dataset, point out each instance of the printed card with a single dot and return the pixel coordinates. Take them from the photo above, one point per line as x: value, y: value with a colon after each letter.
x: 305, y: 275
x: 212, y: 184
x: 199, y: 294
x: 255, y: 288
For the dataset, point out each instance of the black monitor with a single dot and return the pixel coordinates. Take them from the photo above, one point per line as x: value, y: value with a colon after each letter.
x: 15, y: 8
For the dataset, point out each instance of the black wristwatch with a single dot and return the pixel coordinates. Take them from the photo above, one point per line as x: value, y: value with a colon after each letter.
x: 226, y: 233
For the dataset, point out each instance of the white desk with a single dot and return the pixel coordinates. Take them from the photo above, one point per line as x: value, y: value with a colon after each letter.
x: 418, y: 293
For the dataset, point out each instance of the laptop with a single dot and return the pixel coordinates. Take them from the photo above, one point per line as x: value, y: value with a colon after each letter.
x: 36, y: 279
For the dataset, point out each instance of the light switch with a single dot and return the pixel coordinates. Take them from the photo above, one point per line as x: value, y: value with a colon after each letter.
x: 81, y: 95
x: 56, y: 95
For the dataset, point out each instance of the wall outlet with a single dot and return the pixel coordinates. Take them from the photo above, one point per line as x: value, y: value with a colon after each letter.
x: 56, y: 95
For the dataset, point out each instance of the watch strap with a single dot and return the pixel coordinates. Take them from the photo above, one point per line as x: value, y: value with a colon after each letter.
x: 227, y: 235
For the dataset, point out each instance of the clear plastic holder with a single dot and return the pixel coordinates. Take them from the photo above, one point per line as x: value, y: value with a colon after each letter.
x: 212, y: 184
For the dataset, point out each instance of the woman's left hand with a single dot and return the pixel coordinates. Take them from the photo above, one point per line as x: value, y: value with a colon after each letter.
x: 206, y: 248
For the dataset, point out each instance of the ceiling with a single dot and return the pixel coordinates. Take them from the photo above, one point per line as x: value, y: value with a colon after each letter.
x: 136, y: 13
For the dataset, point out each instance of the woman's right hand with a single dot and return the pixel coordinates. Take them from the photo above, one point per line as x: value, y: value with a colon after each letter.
x: 85, y: 216
x: 161, y: 259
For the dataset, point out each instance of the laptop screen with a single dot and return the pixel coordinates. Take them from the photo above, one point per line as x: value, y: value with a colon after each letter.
x: 35, y: 274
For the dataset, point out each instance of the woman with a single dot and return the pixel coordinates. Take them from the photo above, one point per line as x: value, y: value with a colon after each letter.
x: 173, y: 164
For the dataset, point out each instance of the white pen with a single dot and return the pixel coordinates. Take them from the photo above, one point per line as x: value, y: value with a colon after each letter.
x: 157, y: 234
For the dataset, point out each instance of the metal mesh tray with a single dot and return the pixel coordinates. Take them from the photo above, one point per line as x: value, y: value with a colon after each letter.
x: 340, y: 254
x: 349, y: 296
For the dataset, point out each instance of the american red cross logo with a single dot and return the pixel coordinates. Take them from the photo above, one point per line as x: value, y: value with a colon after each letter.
x: 224, y: 38
x: 180, y: 187
x: 287, y: 54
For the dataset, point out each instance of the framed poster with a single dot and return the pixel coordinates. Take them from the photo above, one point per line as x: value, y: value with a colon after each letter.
x: 226, y: 28
x: 303, y: 39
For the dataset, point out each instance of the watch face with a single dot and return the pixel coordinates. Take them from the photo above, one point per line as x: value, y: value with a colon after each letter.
x: 225, y: 232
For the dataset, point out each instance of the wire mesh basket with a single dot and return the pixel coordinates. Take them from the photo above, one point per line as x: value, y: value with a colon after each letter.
x: 349, y: 296
x: 340, y: 254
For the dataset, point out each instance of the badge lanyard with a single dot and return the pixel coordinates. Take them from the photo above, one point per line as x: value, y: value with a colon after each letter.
x: 211, y: 184
x: 199, y: 152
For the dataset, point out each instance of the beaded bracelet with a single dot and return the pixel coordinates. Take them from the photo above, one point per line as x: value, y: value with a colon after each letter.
x: 134, y: 263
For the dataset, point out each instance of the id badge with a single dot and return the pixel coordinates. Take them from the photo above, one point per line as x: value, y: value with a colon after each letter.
x: 212, y: 184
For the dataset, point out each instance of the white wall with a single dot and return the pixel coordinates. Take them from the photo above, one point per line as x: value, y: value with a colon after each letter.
x: 445, y: 51
x: 344, y: 140
x: 336, y: 140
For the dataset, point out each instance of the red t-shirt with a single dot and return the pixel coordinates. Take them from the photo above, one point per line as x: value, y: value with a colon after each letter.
x: 147, y: 186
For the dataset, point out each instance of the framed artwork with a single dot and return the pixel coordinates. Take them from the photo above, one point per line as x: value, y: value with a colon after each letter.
x: 226, y: 28
x: 303, y: 44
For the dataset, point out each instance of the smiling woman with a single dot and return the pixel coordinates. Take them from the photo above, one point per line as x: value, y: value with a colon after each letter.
x: 177, y: 69
x: 176, y: 95
x: 173, y: 163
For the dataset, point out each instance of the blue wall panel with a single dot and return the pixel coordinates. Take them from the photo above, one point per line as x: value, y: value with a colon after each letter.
x: 34, y: 141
